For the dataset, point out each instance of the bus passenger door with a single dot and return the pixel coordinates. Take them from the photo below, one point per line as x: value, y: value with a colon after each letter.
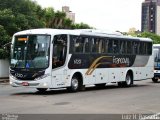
x: 58, y: 60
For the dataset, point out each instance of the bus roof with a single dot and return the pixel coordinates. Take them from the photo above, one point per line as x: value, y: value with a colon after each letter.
x: 90, y: 32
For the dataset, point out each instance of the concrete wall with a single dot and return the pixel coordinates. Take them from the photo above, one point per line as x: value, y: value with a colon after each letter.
x: 4, y: 68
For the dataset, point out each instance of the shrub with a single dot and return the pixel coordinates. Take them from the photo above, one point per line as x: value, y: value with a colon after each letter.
x: 4, y: 54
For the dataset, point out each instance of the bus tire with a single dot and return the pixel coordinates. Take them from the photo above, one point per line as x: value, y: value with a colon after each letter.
x: 128, y: 81
x: 42, y: 90
x: 76, y: 84
x: 154, y: 80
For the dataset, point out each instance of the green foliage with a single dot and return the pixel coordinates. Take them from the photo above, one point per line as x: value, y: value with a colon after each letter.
x: 81, y: 26
x: 4, y: 38
x: 154, y: 37
x: 17, y: 15
x: 49, y: 16
x: 4, y: 54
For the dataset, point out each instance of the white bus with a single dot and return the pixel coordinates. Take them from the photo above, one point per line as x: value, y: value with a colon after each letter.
x: 156, y: 51
x: 51, y: 58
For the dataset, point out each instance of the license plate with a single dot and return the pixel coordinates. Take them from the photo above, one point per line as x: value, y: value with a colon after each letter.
x: 25, y: 83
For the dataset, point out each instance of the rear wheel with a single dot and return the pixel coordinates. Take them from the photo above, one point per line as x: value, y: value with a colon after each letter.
x: 42, y: 89
x: 128, y: 81
x: 155, y: 80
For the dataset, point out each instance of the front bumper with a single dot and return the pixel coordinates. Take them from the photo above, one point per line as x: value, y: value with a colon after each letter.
x: 156, y: 73
x: 43, y: 83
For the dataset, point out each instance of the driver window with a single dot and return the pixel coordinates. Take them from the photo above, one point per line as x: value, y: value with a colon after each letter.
x: 59, y: 51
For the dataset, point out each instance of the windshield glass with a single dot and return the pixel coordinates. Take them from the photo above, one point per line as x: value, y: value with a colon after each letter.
x: 156, y: 57
x: 30, y: 51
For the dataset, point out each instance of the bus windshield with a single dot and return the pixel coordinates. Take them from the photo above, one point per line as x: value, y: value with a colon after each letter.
x: 30, y: 51
x: 156, y: 57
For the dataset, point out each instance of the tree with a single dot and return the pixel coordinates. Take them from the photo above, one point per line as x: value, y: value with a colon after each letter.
x: 132, y: 31
x: 81, y: 26
x: 17, y: 15
x: 67, y: 23
x: 4, y: 38
x: 59, y: 18
x: 49, y: 16
x: 154, y: 37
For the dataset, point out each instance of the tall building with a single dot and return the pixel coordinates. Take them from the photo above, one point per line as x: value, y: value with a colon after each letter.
x: 150, y: 20
x: 69, y: 14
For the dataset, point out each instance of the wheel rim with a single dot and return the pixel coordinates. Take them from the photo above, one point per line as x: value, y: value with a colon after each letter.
x: 128, y: 79
x: 75, y: 84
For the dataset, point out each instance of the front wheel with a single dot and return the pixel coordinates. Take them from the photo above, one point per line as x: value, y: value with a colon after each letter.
x: 76, y: 84
x: 155, y: 80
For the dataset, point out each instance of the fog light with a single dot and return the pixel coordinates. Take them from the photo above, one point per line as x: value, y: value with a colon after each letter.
x: 44, y: 84
x: 11, y: 82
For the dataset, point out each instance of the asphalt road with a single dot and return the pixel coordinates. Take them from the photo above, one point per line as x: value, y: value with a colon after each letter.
x: 142, y: 98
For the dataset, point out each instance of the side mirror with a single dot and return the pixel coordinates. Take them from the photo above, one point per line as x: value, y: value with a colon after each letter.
x: 7, y: 45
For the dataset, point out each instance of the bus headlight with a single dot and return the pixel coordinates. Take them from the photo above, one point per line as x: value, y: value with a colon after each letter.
x: 12, y: 76
x: 42, y: 77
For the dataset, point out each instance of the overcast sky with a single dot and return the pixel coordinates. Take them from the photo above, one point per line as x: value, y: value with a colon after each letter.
x: 102, y: 14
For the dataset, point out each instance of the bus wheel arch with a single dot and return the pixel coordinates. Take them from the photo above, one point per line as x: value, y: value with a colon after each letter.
x: 76, y: 82
x: 128, y: 79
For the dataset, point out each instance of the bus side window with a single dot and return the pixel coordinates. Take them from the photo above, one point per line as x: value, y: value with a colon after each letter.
x: 104, y: 42
x: 86, y: 46
x: 96, y: 45
x: 115, y: 46
x: 106, y: 45
x: 145, y: 48
x: 141, y: 48
x: 110, y: 46
x: 101, y: 46
x: 129, y: 46
x: 78, y: 45
x: 149, y: 48
x: 93, y: 45
x: 135, y: 47
x: 122, y: 48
